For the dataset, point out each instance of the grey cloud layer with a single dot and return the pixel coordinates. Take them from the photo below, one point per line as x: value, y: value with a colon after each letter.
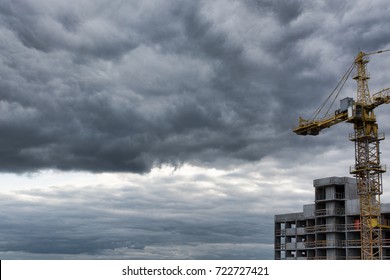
x: 125, y: 86
x: 138, y: 221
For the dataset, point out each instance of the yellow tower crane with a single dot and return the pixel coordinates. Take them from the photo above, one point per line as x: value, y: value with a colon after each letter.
x: 367, y: 169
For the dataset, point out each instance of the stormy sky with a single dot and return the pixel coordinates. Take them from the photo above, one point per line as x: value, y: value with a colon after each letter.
x: 163, y: 129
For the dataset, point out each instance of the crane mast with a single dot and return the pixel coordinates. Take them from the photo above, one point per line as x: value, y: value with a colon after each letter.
x: 367, y: 169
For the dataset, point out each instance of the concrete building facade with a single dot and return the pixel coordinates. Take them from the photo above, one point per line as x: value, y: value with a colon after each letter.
x: 329, y: 228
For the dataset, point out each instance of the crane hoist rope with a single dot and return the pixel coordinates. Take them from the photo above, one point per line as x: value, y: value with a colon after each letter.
x: 336, y: 91
x: 367, y: 169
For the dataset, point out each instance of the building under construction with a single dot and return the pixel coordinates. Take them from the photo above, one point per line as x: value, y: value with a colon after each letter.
x: 329, y: 228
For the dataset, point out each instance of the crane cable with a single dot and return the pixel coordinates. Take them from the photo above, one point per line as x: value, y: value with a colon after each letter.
x: 345, y: 77
x: 376, y: 52
x: 338, y: 88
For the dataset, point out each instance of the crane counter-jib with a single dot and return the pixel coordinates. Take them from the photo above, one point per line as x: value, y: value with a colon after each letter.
x: 345, y: 113
x: 314, y: 127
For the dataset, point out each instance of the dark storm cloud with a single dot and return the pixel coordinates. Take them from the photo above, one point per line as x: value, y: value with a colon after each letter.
x: 285, y: 12
x: 125, y: 86
x: 81, y: 28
